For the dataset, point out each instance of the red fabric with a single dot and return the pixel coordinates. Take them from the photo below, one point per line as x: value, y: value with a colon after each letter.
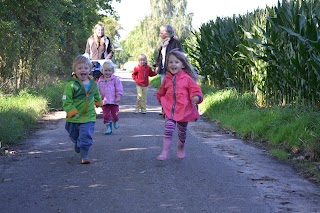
x: 141, y: 75
x: 176, y: 103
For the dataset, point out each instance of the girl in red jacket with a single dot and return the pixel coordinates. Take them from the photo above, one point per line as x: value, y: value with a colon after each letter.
x: 178, y: 94
x: 141, y: 75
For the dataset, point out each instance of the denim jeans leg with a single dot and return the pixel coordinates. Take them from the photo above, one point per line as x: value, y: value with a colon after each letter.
x: 73, y: 130
x: 85, y: 138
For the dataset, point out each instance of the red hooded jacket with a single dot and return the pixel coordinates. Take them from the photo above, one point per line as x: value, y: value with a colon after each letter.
x: 141, y: 75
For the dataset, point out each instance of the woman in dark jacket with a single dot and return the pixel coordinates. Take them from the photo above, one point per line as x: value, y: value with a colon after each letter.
x: 168, y: 43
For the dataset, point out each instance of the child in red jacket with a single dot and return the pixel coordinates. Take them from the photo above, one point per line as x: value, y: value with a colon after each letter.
x: 179, y: 95
x: 141, y: 75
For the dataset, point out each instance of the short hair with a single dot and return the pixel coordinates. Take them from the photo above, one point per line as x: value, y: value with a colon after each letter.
x: 169, y: 29
x: 142, y: 56
x: 79, y: 60
x: 108, y: 64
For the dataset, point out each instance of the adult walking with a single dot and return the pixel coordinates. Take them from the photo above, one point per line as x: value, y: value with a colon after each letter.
x: 168, y: 43
x: 99, y: 45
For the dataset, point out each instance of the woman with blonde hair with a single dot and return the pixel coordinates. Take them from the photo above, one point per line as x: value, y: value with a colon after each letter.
x: 99, y: 45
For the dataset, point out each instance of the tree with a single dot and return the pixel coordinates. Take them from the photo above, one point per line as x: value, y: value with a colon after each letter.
x: 39, y: 39
x: 172, y: 12
x: 144, y: 38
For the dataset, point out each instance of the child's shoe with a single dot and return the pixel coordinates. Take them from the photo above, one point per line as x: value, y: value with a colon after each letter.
x: 84, y: 156
x: 136, y: 111
x: 116, y: 124
x: 85, y: 161
x: 109, y: 128
x: 144, y: 112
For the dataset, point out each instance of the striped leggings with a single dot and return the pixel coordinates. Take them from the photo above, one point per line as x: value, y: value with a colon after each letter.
x: 170, y: 126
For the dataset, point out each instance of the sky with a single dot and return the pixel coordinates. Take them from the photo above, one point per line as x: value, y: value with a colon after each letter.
x: 131, y: 12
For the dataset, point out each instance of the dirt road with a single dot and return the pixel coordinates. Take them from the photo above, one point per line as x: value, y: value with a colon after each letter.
x: 219, y: 174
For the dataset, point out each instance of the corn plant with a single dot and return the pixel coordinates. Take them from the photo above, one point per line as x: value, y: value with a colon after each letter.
x: 292, y: 53
x: 273, y: 53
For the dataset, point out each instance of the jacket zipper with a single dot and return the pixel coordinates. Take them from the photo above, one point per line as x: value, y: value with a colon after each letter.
x: 86, y: 104
x: 174, y: 96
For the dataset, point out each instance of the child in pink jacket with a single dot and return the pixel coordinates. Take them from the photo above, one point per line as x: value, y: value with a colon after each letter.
x: 111, y: 90
x: 178, y: 94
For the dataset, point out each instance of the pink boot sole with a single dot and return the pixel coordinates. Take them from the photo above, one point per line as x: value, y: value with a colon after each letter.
x: 161, y: 157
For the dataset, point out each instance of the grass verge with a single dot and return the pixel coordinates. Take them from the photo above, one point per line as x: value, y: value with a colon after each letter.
x: 20, y: 113
x: 290, y: 134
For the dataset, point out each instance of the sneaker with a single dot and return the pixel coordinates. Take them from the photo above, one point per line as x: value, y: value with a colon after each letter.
x: 116, y: 125
x: 76, y: 148
x: 144, y: 112
x: 136, y: 111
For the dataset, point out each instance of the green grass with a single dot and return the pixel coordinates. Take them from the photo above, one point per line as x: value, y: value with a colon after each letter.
x: 280, y: 154
x: 20, y: 113
x: 53, y: 94
x: 155, y: 81
x: 289, y: 133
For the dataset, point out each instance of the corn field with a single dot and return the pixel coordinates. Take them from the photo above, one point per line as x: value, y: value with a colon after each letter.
x: 273, y: 52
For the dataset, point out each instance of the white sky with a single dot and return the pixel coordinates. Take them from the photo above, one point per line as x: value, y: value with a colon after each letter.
x: 133, y: 11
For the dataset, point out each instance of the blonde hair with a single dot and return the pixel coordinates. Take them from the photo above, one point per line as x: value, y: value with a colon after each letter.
x: 108, y: 64
x: 80, y: 59
x: 142, y: 56
x: 98, y: 40
x: 185, y: 62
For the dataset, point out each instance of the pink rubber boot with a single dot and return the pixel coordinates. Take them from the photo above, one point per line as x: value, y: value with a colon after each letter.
x: 165, y: 149
x: 181, y: 153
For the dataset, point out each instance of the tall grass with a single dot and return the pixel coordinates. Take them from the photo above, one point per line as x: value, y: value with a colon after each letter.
x: 20, y: 113
x: 294, y: 131
x: 53, y: 94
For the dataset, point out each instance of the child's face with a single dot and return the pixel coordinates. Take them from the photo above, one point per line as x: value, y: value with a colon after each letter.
x: 82, y: 71
x: 107, y: 72
x: 143, y: 61
x: 174, y: 64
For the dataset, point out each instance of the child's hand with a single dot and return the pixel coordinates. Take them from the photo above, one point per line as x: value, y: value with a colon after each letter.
x: 195, y: 99
x: 118, y: 98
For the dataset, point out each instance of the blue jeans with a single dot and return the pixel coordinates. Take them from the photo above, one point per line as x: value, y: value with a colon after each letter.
x: 81, y: 134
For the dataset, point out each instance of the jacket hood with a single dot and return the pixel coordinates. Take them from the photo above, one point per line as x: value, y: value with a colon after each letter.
x: 75, y: 78
x: 111, y: 78
x: 181, y: 74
